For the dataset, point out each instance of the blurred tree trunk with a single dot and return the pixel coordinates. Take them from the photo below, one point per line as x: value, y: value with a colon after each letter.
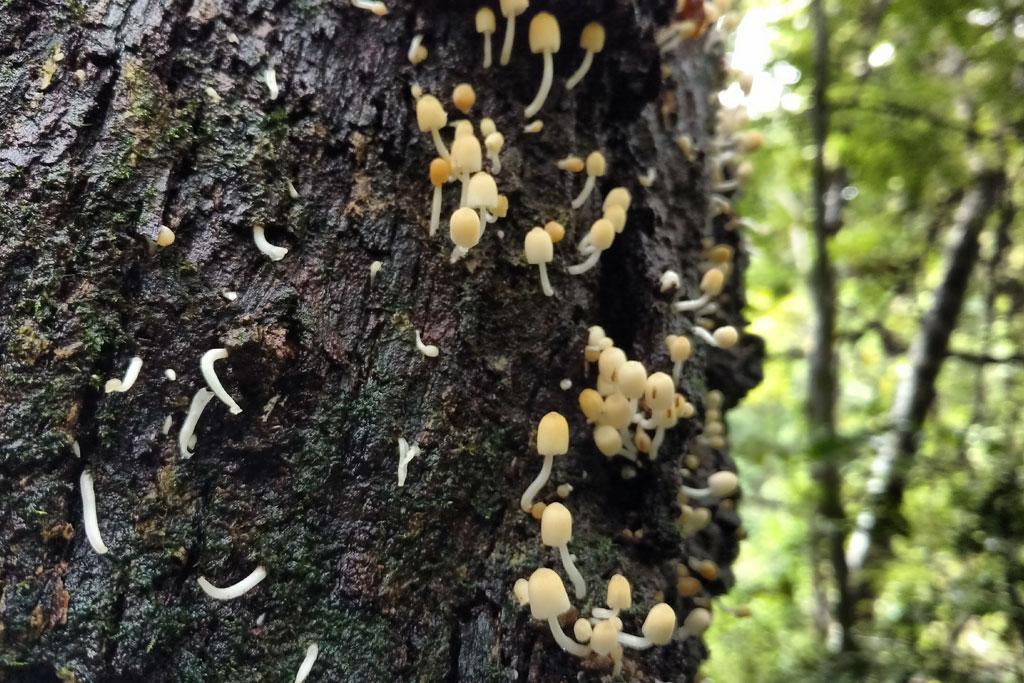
x: 122, y: 115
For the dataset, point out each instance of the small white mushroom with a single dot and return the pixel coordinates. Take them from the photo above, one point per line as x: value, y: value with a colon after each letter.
x: 600, y: 238
x: 494, y: 142
x: 406, y: 453
x: 274, y: 253
x: 312, y: 652
x: 212, y: 94
x: 375, y: 6
x: 188, y: 427
x: 210, y: 375
x: 440, y: 173
x: 130, y: 375
x: 721, y: 484
x: 235, y: 590
x: 428, y: 350
x: 292, y: 192
x: 92, y: 526
x: 270, y: 78
x: 647, y: 178
x: 556, y: 532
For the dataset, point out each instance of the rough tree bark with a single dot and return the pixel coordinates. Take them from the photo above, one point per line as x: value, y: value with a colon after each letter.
x: 408, y: 583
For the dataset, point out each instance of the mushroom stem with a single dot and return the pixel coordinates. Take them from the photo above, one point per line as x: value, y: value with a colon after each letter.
x: 564, y: 641
x: 235, y: 590
x: 188, y: 427
x: 659, y: 437
x: 585, y: 247
x: 575, y: 79
x: 545, y: 284
x: 695, y: 493
x: 442, y: 150
x: 634, y: 642
x: 273, y: 252
x: 495, y: 162
x: 510, y: 36
x: 617, y: 661
x: 704, y: 335
x: 464, y: 179
x: 578, y: 584
x: 545, y: 87
x: 588, y: 187
x: 210, y: 375
x: 307, y: 663
x: 487, y: 50
x: 92, y: 527
x: 677, y: 371
x: 435, y: 211
x: 604, y: 613
x: 586, y: 265
x: 457, y: 254
x: 692, y: 304
x: 526, y: 502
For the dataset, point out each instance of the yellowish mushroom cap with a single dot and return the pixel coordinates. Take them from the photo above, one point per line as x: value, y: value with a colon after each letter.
x: 487, y: 126
x: 660, y: 391
x: 463, y: 127
x: 596, y: 164
x: 545, y: 35
x: 602, y: 233
x: 467, y: 157
x: 482, y: 191
x: 592, y: 38
x: 485, y: 21
x: 697, y: 622
x: 631, y: 379
x: 556, y: 230
x: 617, y: 411
x: 464, y: 227
x: 582, y: 630
x: 604, y: 638
x: 679, y: 348
x: 538, y: 247
x: 521, y: 589
x: 620, y: 596
x: 720, y: 253
x: 430, y: 115
x: 513, y: 8
x: 501, y: 210
x: 712, y: 282
x: 660, y: 624
x: 618, y: 195
x: 610, y: 360
x: 608, y: 440
x: 683, y: 408
x: 553, y: 435
x: 726, y: 337
x: 494, y: 142
x: 573, y: 164
x: 591, y: 404
x: 556, y: 525
x: 547, y: 594
x: 617, y: 216
x: 464, y: 97
x: 165, y: 237
x: 723, y: 484
x: 440, y: 172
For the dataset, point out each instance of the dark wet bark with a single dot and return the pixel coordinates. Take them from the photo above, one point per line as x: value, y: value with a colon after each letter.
x: 394, y: 584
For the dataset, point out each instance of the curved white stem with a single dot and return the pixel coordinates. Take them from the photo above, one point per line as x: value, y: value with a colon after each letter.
x: 487, y: 50
x: 210, y: 375
x: 457, y: 254
x: 526, y: 502
x: 565, y: 642
x: 435, y: 211
x: 617, y: 661
x: 188, y: 427
x: 677, y: 371
x: 588, y: 187
x: 130, y: 375
x: 695, y: 493
x: 273, y: 252
x: 464, y: 179
x: 586, y: 265
x: 704, y: 335
x: 604, y: 613
x: 235, y: 590
x: 578, y: 584
x: 488, y: 219
x: 659, y: 437
x: 575, y: 79
x: 545, y: 284
x: 442, y: 151
x: 584, y: 247
x: 510, y: 36
x: 545, y: 87
x: 634, y: 642
x: 495, y: 162
x: 92, y: 525
x: 312, y: 652
x: 692, y: 304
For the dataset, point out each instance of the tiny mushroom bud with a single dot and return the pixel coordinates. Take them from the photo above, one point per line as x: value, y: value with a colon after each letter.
x: 591, y: 40
x: 546, y: 39
x: 165, y: 237
x: 464, y: 229
x: 555, y: 230
x: 440, y: 172
x: 417, y: 52
x: 482, y: 195
x: 375, y: 6
x: 620, y: 595
x: 582, y: 630
x: 695, y: 624
x: 617, y: 196
x: 272, y: 251
x: 591, y: 404
x: 600, y: 237
x: 573, y: 164
x: 711, y: 285
x: 539, y: 250
x: 510, y: 9
x: 487, y: 126
x: 467, y: 158
x: 726, y: 337
x: 501, y: 210
x: 486, y: 25
x: 608, y: 440
x: 679, y: 350
x: 617, y: 216
x: 431, y: 116
x: 494, y: 142
x: 548, y: 600
x: 552, y: 440
x: 556, y: 532
x: 521, y: 589
x: 669, y: 281
x: 596, y: 166
x: 720, y: 485
x: 609, y: 361
x: 534, y: 126
x: 660, y: 391
x: 464, y: 97
x: 270, y: 78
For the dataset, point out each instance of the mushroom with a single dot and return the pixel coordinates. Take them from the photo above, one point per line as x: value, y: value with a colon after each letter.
x: 272, y: 251
x: 188, y: 427
x: 131, y: 374
x: 545, y: 38
x: 658, y: 628
x: 165, y: 237
x: 572, y: 164
x: 510, y: 9
x: 679, y: 350
x: 661, y: 419
x: 235, y: 590
x: 556, y: 532
x: 464, y: 230
x: 711, y: 285
x: 548, y: 600
x: 467, y: 159
x: 601, y: 235
x: 487, y: 126
x: 619, y: 597
x: 212, y: 381
x: 596, y: 166
x: 375, y: 6
x: 417, y: 51
x: 616, y: 215
x: 582, y: 630
x: 270, y: 78
x: 494, y: 142
x: 92, y: 527
x: 486, y: 25
x: 591, y: 40
x: 534, y: 127
x: 720, y: 485
x: 724, y: 337
x: 440, y: 172
x: 591, y: 404
x: 431, y: 116
x: 482, y: 195
x: 608, y: 440
x: 556, y: 230
x: 617, y: 196
x: 464, y: 97
x: 539, y: 250
x: 605, y: 641
x: 695, y: 624
x: 631, y: 380
x: 552, y: 440
x: 521, y: 590
x: 312, y: 652
x: 669, y: 280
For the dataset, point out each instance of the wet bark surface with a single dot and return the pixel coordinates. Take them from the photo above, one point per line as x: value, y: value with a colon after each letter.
x: 394, y: 583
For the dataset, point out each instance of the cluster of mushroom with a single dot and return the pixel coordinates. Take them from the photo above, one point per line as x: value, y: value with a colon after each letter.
x: 626, y: 398
x: 711, y: 286
x: 694, y: 18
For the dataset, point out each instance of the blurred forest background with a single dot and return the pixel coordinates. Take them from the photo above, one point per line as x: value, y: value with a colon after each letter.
x: 882, y: 456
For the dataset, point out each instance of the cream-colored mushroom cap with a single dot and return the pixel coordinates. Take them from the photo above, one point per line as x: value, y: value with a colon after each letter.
x: 545, y: 35
x: 617, y: 216
x: 660, y: 624
x: 440, y: 172
x: 679, y: 348
x: 430, y: 115
x: 482, y: 191
x: 556, y: 230
x: 463, y: 127
x: 602, y: 233
x: 467, y: 157
x: 494, y: 142
x: 723, y: 484
x: 697, y: 621
x: 591, y: 404
x: 608, y: 440
x: 610, y: 360
x: 547, y: 593
x: 582, y: 630
x: 487, y: 126
x: 712, y: 282
x: 464, y: 227
x: 538, y: 247
x: 660, y: 392
x: 556, y: 525
x: 617, y: 411
x: 605, y: 636
x: 631, y: 378
x: 464, y: 97
x: 485, y: 21
x: 726, y: 337
x: 513, y: 8
x: 592, y: 38
x: 620, y: 595
x: 553, y: 435
x: 521, y: 589
x: 501, y: 210
x: 620, y: 196
x: 596, y: 164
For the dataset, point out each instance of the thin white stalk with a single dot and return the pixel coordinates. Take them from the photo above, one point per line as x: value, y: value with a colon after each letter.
x: 458, y: 253
x: 578, y: 584
x: 586, y: 265
x: 312, y: 652
x: 695, y: 493
x: 428, y: 350
x: 130, y: 375
x: 406, y: 453
x: 236, y: 590
x: 495, y: 162
x: 210, y: 375
x: 188, y: 427
x: 442, y: 150
x: 435, y: 211
x: 526, y: 502
x: 92, y: 526
x: 575, y: 79
x: 677, y: 371
x: 584, y: 194
x: 464, y: 179
x: 273, y: 252
x: 659, y: 437
x: 545, y: 87
x: 634, y: 642
x: 704, y: 335
x: 487, y: 50
x: 545, y: 284
x: 565, y: 642
x: 375, y: 6
x: 692, y: 304
x: 510, y: 36
x: 604, y: 613
x: 585, y: 247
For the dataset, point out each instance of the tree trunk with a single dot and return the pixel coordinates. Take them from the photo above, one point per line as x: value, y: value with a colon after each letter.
x: 157, y: 113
